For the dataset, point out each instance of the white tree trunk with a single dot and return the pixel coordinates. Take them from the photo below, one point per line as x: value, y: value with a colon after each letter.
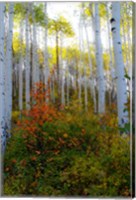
x: 63, y: 86
x: 35, y: 66
x: 46, y: 67
x: 8, y: 69
x: 127, y: 64
x: 21, y: 70
x: 82, y: 57
x: 99, y: 63
x: 111, y: 67
x: 68, y: 83
x: 46, y: 64
x: 91, y: 82
x: 2, y: 84
x: 125, y: 45
x: 85, y: 76
x: 62, y: 73
x: 79, y: 69
x: 53, y: 88
x: 121, y: 83
x: 129, y: 39
x: 27, y: 61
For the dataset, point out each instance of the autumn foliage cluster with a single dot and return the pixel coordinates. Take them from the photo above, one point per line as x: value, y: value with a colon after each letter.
x: 63, y: 153
x: 34, y: 119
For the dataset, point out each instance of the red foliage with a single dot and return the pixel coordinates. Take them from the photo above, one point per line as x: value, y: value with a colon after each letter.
x: 40, y: 112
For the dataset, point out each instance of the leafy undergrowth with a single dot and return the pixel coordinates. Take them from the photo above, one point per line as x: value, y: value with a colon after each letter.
x: 66, y: 153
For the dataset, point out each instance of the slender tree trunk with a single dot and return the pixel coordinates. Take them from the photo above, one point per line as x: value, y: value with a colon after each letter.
x: 79, y: 69
x: 91, y: 82
x: 121, y: 82
x: 53, y: 88
x: 21, y: 70
x: 46, y: 67
x: 2, y: 84
x: 99, y: 63
x: 85, y: 77
x: 63, y: 87
x: 111, y: 67
x: 27, y: 61
x: 68, y: 83
x: 84, y: 65
x: 62, y: 74
x: 8, y: 69
x: 93, y: 76
x: 125, y: 45
x: 35, y: 65
x: 57, y: 55
x: 127, y: 64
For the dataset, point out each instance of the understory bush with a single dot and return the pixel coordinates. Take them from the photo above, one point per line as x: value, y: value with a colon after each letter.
x: 54, y: 153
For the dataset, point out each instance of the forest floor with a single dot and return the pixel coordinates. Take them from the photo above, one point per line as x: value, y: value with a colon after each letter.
x: 68, y: 152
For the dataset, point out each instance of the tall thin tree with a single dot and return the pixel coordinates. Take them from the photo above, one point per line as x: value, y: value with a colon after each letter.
x: 99, y: 62
x: 120, y: 72
x: 2, y: 84
x: 27, y: 60
x: 8, y: 68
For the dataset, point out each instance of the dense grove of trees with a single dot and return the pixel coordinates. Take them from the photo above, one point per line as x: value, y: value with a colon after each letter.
x: 43, y: 88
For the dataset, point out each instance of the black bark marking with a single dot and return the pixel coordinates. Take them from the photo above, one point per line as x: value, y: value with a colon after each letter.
x: 119, y: 42
x: 122, y: 120
x: 112, y: 29
x: 112, y: 20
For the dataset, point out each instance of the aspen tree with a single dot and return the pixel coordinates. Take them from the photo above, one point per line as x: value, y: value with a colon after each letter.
x: 99, y: 63
x: 120, y: 72
x: 91, y: 81
x: 2, y: 84
x: 62, y: 73
x: 35, y: 66
x: 20, y: 65
x: 79, y: 70
x: 46, y: 67
x: 68, y: 83
x: 27, y: 60
x: 111, y: 66
x: 8, y: 68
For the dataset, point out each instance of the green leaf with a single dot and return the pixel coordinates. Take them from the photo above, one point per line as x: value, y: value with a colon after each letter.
x: 126, y: 76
